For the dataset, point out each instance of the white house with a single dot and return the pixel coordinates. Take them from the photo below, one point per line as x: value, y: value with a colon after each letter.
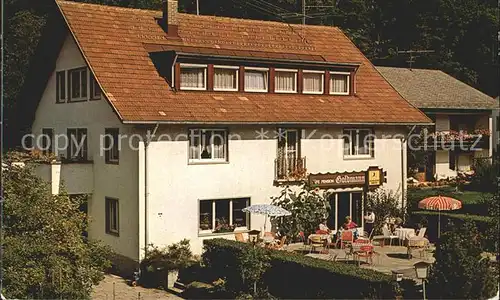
x: 458, y: 111
x: 185, y: 120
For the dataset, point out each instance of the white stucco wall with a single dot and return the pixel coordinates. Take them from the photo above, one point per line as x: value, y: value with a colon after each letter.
x: 117, y: 181
x: 176, y: 186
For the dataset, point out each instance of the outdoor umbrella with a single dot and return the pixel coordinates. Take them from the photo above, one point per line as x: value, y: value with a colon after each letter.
x: 268, y: 210
x: 440, y: 203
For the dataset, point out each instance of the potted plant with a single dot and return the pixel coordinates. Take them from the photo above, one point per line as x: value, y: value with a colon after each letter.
x: 160, y: 267
x: 223, y: 226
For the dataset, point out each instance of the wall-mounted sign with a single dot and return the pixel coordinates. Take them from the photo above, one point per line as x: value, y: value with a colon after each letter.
x: 371, y: 178
x: 338, y: 180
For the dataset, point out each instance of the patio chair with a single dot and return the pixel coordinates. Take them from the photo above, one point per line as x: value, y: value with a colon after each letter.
x: 346, y: 238
x: 421, y: 232
x: 315, y: 243
x: 366, y: 252
x: 239, y: 237
x: 386, y: 235
x: 280, y: 245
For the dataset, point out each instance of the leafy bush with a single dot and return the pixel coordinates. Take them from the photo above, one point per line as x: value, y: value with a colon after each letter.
x: 384, y: 204
x: 484, y: 225
x: 485, y: 176
x: 308, y: 207
x: 158, y: 262
x: 293, y: 275
x: 459, y: 261
x: 44, y: 253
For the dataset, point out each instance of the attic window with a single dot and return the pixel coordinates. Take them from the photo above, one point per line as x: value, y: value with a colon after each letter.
x: 61, y: 87
x: 313, y: 82
x: 339, y: 83
x: 193, y: 77
x: 225, y: 78
x: 95, y: 90
x: 256, y: 79
x: 285, y: 81
x: 78, y: 84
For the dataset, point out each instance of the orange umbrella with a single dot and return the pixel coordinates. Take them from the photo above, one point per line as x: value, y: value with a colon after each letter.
x: 440, y: 203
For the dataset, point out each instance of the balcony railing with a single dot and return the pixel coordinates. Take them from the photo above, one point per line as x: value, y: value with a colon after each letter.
x: 290, y: 169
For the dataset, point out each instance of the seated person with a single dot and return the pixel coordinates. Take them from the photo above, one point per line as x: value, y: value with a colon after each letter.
x: 349, y: 224
x: 324, y: 228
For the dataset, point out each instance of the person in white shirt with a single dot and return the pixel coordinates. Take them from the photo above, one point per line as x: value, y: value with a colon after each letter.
x: 369, y: 221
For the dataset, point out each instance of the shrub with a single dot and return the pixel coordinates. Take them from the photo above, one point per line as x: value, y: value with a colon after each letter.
x: 158, y: 262
x: 308, y: 207
x: 384, y: 204
x: 484, y: 225
x: 459, y: 261
x: 292, y: 275
x: 485, y: 176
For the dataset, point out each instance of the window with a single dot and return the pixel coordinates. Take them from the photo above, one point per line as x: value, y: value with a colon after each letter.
x: 112, y: 216
x: 288, y: 161
x: 313, y: 82
x: 225, y: 78
x: 77, y: 144
x: 358, y: 142
x: 256, y: 79
x: 345, y: 204
x: 61, y: 87
x: 339, y: 83
x: 285, y: 81
x: 224, y: 215
x: 78, y: 84
x: 208, y: 145
x: 47, y: 141
x: 95, y: 90
x: 193, y: 77
x: 112, y: 145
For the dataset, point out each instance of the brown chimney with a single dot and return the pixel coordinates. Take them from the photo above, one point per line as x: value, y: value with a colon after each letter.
x: 170, y: 17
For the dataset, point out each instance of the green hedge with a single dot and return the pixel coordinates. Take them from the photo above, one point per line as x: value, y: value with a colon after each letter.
x: 483, y: 223
x: 293, y: 275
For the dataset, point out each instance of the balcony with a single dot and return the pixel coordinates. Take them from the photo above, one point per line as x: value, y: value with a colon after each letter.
x: 458, y: 141
x: 289, y: 170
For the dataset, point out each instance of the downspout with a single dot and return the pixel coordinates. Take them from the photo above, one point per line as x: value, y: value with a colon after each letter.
x: 403, y: 179
x: 146, y: 188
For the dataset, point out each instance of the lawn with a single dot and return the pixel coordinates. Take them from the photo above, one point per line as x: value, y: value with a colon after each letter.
x: 467, y: 197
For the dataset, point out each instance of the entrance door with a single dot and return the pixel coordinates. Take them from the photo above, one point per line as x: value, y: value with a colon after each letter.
x: 343, y: 207
x: 345, y: 204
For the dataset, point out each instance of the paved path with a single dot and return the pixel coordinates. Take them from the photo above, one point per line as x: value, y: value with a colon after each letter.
x: 123, y: 291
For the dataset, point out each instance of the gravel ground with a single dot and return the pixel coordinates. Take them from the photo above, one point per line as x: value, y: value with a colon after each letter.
x: 123, y: 291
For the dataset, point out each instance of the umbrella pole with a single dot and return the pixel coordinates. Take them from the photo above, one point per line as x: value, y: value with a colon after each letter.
x: 439, y: 223
x: 265, y: 224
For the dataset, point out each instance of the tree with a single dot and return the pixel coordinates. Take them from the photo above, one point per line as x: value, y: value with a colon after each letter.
x: 384, y: 204
x: 45, y: 254
x: 460, y: 272
x: 308, y: 207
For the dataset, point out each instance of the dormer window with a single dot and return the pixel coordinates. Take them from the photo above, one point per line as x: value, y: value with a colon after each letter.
x: 225, y: 78
x: 285, y: 81
x: 313, y: 82
x: 193, y: 77
x: 256, y: 79
x: 339, y: 83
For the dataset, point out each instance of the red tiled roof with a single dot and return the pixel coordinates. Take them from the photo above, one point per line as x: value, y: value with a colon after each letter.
x: 114, y: 40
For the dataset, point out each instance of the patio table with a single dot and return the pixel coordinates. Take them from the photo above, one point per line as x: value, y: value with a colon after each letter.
x: 405, y: 234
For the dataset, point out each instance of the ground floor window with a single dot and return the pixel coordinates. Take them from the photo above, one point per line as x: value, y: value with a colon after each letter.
x: 112, y: 216
x: 223, y: 215
x: 345, y: 204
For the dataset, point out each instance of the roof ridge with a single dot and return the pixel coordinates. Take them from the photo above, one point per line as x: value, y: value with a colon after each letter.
x: 108, y: 6
x: 182, y: 14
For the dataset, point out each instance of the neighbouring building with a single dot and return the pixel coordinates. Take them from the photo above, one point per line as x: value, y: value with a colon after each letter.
x: 459, y: 111
x: 238, y: 109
